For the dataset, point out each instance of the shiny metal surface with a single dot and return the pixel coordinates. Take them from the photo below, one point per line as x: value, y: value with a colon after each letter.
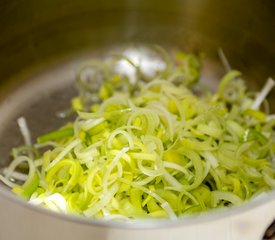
x: 37, y: 37
x: 37, y: 32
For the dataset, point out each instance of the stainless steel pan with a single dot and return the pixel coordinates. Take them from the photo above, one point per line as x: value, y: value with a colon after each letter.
x: 41, y: 44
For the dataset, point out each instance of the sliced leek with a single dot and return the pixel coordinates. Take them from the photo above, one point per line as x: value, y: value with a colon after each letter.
x: 153, y: 148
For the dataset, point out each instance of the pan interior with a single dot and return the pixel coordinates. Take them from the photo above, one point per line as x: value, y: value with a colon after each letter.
x: 45, y: 94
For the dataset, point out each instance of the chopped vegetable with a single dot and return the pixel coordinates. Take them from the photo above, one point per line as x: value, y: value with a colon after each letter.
x: 150, y: 147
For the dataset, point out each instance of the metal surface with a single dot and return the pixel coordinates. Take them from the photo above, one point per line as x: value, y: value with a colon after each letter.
x: 41, y: 45
x: 36, y: 32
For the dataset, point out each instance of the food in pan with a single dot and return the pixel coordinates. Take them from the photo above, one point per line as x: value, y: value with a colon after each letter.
x: 153, y: 145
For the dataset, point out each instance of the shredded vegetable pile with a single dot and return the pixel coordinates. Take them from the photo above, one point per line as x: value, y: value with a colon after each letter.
x: 157, y: 146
